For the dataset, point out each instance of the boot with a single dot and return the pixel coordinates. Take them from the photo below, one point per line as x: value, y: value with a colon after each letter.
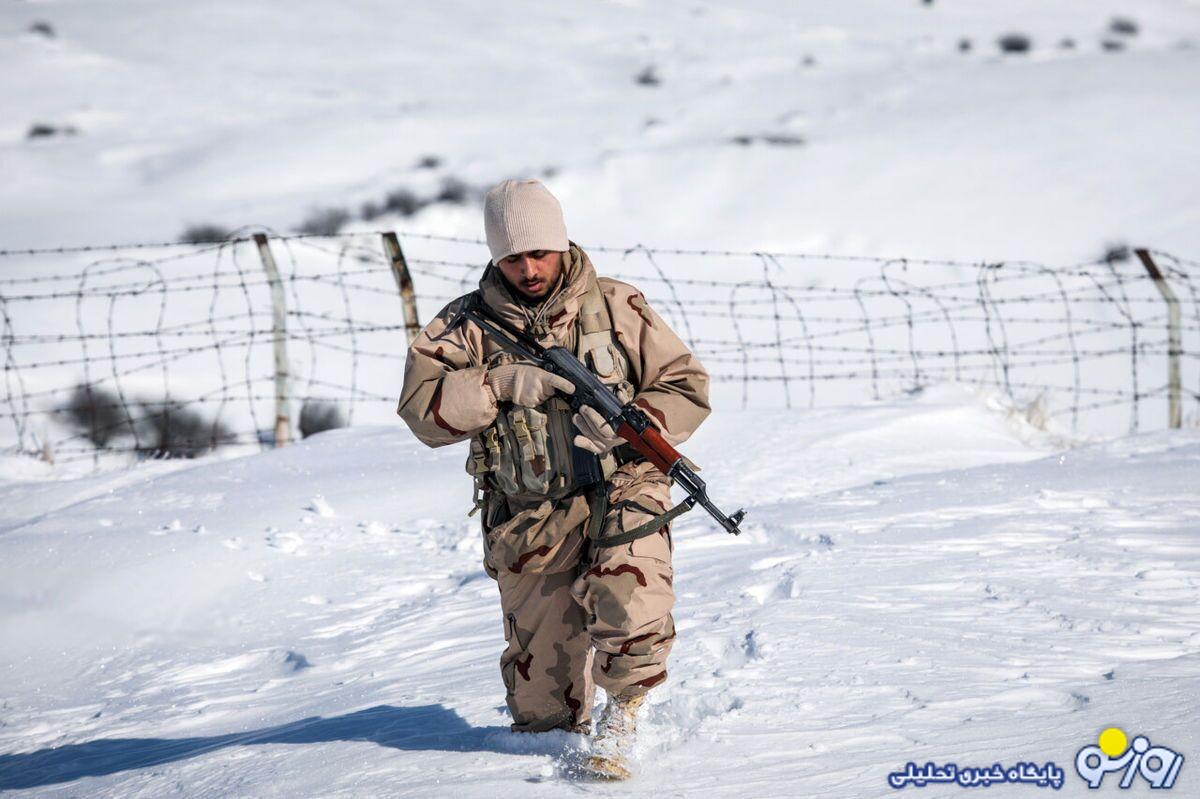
x: 614, y: 739
x: 578, y: 728
x: 582, y: 728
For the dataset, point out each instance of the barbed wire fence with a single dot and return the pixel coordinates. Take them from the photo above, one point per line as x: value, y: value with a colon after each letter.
x: 151, y: 349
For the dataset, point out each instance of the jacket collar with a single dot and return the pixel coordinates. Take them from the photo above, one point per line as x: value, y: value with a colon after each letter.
x: 556, y: 313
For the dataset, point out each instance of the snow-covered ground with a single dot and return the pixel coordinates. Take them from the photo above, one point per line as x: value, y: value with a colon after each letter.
x: 922, y: 579
x: 855, y: 127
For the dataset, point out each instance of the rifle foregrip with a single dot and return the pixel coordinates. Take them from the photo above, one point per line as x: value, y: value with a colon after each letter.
x: 651, y: 445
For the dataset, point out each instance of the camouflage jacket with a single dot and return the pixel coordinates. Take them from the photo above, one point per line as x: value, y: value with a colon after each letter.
x: 446, y: 398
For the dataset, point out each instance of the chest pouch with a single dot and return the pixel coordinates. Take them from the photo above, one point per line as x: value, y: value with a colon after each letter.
x: 529, y: 453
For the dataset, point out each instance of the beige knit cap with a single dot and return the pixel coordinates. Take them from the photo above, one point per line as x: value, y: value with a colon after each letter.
x: 522, y: 215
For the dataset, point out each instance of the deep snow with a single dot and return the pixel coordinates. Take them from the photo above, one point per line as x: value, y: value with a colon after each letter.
x: 922, y: 579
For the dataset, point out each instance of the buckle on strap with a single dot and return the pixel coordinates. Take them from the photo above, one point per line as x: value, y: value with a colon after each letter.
x: 480, y: 499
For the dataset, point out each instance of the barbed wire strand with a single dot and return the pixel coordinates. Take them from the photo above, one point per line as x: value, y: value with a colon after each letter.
x: 886, y: 322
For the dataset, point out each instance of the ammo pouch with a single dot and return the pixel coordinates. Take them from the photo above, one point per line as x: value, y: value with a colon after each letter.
x: 529, y: 453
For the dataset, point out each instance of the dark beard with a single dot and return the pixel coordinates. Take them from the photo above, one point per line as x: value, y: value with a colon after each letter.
x: 527, y: 301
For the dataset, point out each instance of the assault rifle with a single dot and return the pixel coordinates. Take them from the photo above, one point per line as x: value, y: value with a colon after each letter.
x: 630, y: 422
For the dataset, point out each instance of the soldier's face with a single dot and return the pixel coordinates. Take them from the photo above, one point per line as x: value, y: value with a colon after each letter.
x: 532, y: 273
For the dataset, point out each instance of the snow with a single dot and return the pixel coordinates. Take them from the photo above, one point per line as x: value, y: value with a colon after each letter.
x: 891, y: 143
x: 260, y: 111
x: 936, y: 575
x: 922, y: 578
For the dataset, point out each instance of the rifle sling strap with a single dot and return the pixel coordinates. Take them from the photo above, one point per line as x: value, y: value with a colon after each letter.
x: 599, y: 508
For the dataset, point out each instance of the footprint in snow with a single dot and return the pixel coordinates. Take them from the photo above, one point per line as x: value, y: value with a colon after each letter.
x: 285, y: 542
x: 319, y: 506
x: 1070, y: 500
x: 373, y: 528
x: 170, y: 527
x: 784, y: 587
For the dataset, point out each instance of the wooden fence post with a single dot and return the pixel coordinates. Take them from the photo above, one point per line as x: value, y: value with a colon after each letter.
x: 1174, y: 339
x: 408, y: 296
x: 279, y: 330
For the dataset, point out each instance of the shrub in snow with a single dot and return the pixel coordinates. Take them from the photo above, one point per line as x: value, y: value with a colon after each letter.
x: 648, y: 77
x: 159, y: 429
x: 429, y: 162
x: 42, y: 28
x: 782, y: 139
x: 1067, y: 44
x: 453, y: 191
x: 173, y: 431
x: 1112, y: 45
x: 1123, y: 26
x: 403, y: 202
x: 1014, y: 43
x: 96, y: 414
x: 42, y: 130
x: 369, y: 211
x: 325, y: 222
x: 203, y: 234
x: 964, y: 45
x: 1116, y: 253
x: 774, y: 139
x: 319, y: 415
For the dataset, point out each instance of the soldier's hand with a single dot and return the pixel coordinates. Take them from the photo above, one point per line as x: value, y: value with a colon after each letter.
x: 596, y: 435
x: 526, y: 385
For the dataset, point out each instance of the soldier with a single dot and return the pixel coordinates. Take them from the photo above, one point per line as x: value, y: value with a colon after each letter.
x: 576, y: 613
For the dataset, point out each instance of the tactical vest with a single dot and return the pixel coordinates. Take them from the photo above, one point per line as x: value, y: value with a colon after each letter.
x: 529, y: 453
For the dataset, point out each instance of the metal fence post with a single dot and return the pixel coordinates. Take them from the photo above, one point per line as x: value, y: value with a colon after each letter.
x: 408, y: 296
x: 1174, y: 339
x: 279, y: 331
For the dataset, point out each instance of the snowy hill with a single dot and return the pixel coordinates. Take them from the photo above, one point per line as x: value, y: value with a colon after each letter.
x: 314, y: 621
x: 923, y: 578
x: 855, y: 127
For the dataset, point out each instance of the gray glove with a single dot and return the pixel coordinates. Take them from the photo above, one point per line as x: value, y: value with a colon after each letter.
x: 526, y: 385
x: 596, y: 434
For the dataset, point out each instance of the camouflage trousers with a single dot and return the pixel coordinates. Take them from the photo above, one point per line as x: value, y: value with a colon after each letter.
x: 577, y: 616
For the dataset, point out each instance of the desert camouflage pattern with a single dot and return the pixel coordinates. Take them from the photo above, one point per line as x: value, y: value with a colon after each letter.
x: 561, y: 597
x: 576, y: 616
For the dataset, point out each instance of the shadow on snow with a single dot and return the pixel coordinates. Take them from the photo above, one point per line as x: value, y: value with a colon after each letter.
x: 428, y: 727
